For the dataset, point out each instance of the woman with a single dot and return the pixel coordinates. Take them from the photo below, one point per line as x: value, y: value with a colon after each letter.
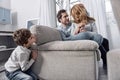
x: 83, y: 22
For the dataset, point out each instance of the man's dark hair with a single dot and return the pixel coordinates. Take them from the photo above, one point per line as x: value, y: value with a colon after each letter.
x: 59, y: 14
x: 21, y: 36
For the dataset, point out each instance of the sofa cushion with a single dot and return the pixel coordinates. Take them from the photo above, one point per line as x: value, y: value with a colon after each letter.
x: 77, y: 45
x: 45, y: 34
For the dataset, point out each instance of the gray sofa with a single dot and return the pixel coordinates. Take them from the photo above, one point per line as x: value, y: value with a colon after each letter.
x: 64, y: 60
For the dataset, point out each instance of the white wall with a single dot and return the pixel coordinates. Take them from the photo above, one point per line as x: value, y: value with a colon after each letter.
x: 7, y: 27
x: 25, y: 10
x: 5, y: 4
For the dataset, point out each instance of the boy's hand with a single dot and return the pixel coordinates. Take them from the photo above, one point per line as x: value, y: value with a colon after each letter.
x: 34, y: 54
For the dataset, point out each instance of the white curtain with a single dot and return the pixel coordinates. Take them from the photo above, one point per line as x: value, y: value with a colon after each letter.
x: 96, y: 9
x: 66, y: 5
x: 47, y: 13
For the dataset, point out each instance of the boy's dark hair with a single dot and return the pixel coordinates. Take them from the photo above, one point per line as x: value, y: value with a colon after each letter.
x: 59, y: 14
x: 21, y: 36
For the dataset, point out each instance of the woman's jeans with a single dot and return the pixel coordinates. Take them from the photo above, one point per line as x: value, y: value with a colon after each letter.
x: 87, y: 36
x: 20, y: 75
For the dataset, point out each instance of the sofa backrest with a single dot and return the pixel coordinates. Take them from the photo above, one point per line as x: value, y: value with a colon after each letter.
x: 45, y: 34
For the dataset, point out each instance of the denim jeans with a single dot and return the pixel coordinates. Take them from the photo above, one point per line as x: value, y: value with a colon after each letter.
x: 20, y: 75
x: 87, y: 36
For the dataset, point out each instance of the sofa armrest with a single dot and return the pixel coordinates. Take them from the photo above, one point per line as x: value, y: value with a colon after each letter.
x: 80, y: 45
x: 45, y: 34
x: 113, y: 64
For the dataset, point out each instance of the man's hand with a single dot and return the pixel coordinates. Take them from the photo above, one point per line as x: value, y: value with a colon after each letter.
x: 77, y: 30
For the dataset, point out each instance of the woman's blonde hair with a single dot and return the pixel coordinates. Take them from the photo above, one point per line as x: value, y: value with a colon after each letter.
x: 79, y: 14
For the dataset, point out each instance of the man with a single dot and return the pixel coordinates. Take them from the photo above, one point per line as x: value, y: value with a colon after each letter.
x: 65, y: 25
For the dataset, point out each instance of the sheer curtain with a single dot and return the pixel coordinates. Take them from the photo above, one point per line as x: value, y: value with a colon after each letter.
x: 47, y: 13
x: 66, y: 5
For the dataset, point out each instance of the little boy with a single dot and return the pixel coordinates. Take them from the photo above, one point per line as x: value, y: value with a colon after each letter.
x: 19, y: 63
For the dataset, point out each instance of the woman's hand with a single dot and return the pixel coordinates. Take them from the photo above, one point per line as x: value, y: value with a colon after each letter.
x: 81, y: 25
x: 80, y: 28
